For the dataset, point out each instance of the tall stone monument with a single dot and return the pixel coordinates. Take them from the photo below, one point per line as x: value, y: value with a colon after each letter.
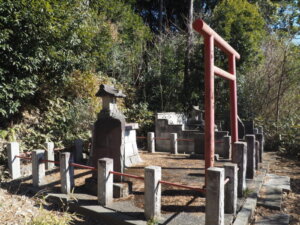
x: 109, y: 130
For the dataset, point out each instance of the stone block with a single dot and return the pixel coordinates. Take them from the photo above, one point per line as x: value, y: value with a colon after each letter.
x: 251, y: 156
x: 152, y: 193
x: 105, y: 181
x: 49, y: 155
x: 66, y: 172
x: 13, y: 150
x: 240, y: 158
x: 214, y: 207
x: 231, y: 172
x: 38, y: 168
x: 151, y: 142
x: 173, y: 143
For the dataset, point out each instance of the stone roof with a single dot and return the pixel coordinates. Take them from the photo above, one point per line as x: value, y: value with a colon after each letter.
x: 106, y: 90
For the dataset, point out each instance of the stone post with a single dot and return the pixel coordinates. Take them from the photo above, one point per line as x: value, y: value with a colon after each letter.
x: 214, y: 206
x: 173, y: 143
x: 257, y: 155
x: 78, y: 149
x: 49, y: 155
x: 260, y: 139
x: 240, y: 158
x: 105, y: 181
x: 227, y: 147
x: 255, y: 131
x: 260, y: 130
x: 230, y: 188
x: 13, y: 149
x: 151, y: 142
x: 199, y: 143
x: 66, y: 172
x: 250, y: 139
x: 152, y: 193
x: 38, y: 167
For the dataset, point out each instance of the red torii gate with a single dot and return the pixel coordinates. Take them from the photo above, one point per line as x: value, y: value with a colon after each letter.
x: 211, y: 38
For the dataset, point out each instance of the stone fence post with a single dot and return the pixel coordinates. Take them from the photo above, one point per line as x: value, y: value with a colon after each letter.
x: 227, y: 147
x: 240, y: 158
x: 250, y: 139
x: 151, y: 142
x: 257, y: 155
x: 49, y: 155
x: 152, y: 195
x: 13, y: 149
x: 173, y: 143
x: 66, y: 172
x: 38, y: 167
x: 260, y: 139
x: 214, y: 206
x: 230, y: 188
x: 105, y: 181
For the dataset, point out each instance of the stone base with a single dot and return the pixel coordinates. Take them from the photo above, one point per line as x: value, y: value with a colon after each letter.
x: 201, y: 156
x: 121, y: 190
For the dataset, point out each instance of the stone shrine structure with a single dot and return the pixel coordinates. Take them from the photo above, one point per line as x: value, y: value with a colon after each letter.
x: 109, y: 133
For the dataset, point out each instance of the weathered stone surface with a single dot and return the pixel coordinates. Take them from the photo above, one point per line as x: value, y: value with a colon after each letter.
x: 152, y: 195
x: 38, y: 168
x: 49, y: 155
x: 13, y: 149
x: 251, y: 156
x: 109, y: 131
x: 131, y: 151
x: 66, y: 172
x: 240, y: 157
x: 231, y: 188
x: 214, y: 206
x: 270, y: 197
x: 283, y: 182
x: 278, y: 219
x: 105, y: 181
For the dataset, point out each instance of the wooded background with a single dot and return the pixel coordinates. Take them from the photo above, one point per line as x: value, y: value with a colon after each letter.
x: 55, y: 53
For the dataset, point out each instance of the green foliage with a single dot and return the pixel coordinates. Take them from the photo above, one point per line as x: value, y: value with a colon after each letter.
x: 139, y: 113
x: 241, y: 24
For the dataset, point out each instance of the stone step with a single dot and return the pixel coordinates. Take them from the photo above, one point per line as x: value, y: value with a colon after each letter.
x: 282, y: 182
x: 270, y: 195
x: 277, y: 219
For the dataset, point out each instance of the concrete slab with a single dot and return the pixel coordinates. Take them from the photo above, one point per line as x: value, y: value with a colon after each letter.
x: 282, y: 182
x: 247, y: 211
x: 270, y: 197
x: 278, y: 219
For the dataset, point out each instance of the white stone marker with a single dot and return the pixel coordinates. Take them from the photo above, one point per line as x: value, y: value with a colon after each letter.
x: 13, y: 149
x: 38, y: 167
x: 66, y: 172
x: 214, y: 206
x: 105, y: 181
x: 240, y: 157
x: 173, y: 143
x: 231, y: 172
x: 151, y: 142
x: 152, y: 195
x: 49, y: 155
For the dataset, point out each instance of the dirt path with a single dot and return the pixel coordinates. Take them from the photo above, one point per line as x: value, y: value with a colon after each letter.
x: 291, y: 201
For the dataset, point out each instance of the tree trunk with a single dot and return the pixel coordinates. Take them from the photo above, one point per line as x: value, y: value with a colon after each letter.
x: 189, y: 48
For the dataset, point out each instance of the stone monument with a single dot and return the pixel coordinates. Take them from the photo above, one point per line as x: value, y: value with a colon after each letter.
x: 109, y: 130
